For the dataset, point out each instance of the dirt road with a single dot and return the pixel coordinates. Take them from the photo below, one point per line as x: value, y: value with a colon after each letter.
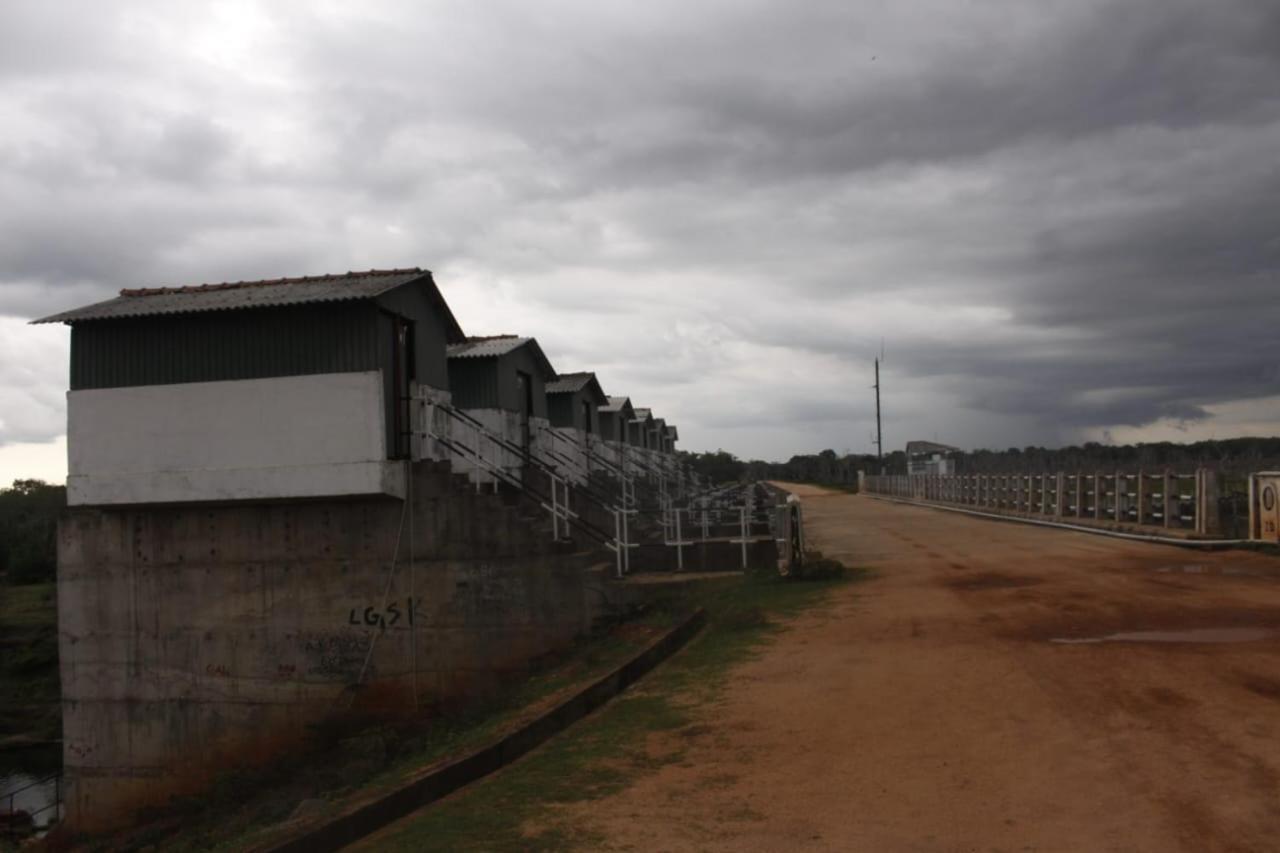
x: 931, y: 709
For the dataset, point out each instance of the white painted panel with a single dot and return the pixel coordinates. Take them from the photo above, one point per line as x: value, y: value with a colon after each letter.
x: 279, y: 437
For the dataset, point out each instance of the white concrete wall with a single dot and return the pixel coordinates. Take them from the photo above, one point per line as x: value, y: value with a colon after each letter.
x: 280, y: 437
x: 576, y: 466
x: 503, y: 423
x: 609, y: 451
x: 429, y: 421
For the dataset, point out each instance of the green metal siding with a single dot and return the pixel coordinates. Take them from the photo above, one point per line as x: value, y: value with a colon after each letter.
x: 509, y: 392
x: 561, y: 410
x: 474, y: 383
x: 430, y: 334
x: 224, y: 345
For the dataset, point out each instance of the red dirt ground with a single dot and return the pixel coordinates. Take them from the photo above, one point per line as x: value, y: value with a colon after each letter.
x: 929, y: 710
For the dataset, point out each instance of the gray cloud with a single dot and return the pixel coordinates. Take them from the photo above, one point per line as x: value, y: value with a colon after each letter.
x: 1062, y: 219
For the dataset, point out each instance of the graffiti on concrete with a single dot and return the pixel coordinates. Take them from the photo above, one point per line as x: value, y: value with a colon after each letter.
x: 336, y: 655
x: 383, y: 618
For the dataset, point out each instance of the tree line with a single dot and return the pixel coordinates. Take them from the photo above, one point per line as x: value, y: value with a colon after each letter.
x: 1234, y: 456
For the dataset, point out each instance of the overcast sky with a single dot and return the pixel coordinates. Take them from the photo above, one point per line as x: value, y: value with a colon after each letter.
x: 1063, y: 219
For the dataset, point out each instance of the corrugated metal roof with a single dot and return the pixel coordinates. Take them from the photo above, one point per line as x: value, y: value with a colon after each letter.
x: 487, y: 347
x: 644, y: 414
x: 929, y: 447
x: 568, y: 383
x: 499, y: 345
x: 141, y: 302
x: 616, y: 404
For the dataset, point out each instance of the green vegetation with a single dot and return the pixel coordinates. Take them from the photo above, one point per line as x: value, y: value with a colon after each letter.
x: 516, y: 810
x: 29, y: 692
x: 29, y: 512
x: 358, y: 757
x: 1235, y: 456
x: 719, y: 466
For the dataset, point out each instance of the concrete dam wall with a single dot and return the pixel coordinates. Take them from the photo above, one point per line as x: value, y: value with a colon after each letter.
x: 196, y: 638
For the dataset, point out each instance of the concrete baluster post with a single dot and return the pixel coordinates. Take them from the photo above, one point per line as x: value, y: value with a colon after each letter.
x: 1212, y: 525
x: 1119, y: 497
x: 1199, y: 501
x: 1142, y: 495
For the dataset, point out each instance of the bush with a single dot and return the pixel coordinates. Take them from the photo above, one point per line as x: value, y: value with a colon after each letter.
x: 819, y: 568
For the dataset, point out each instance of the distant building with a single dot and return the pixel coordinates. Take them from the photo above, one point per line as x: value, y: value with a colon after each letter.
x: 658, y: 435
x: 573, y: 405
x: 639, y: 429
x: 285, y: 388
x: 615, y: 419
x: 574, y: 401
x: 929, y: 457
x: 501, y: 382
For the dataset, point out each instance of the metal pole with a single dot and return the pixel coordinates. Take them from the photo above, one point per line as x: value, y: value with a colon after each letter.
x: 679, y: 545
x: 879, y: 435
x: 626, y: 542
x: 617, y: 538
x: 413, y: 591
x: 742, y: 515
x: 555, y: 511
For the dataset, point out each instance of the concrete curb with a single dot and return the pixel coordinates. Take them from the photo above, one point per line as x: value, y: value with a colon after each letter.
x: 436, y: 784
x: 1201, y: 544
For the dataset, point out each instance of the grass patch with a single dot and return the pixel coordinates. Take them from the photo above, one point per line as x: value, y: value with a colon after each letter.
x: 29, y: 689
x: 515, y: 810
x: 353, y: 757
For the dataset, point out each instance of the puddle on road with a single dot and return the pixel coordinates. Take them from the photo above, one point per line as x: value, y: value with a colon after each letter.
x: 1193, y: 635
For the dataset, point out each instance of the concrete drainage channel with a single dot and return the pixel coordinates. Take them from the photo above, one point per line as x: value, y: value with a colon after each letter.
x: 436, y: 784
x: 1203, y: 544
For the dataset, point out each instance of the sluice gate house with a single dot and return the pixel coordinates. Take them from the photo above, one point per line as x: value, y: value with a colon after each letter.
x: 615, y: 417
x: 501, y: 381
x: 274, y: 517
x: 573, y: 406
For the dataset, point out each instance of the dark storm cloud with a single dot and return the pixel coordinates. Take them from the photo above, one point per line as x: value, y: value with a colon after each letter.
x: 1062, y: 218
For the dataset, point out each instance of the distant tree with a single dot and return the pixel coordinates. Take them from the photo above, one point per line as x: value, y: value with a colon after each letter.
x: 719, y: 466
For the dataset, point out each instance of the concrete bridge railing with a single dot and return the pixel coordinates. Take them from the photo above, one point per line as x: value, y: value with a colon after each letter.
x: 1171, y: 501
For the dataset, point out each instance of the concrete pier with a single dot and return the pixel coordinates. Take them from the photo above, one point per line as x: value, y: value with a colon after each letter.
x: 201, y: 637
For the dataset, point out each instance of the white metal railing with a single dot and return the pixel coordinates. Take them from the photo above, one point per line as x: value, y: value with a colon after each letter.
x: 673, y: 495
